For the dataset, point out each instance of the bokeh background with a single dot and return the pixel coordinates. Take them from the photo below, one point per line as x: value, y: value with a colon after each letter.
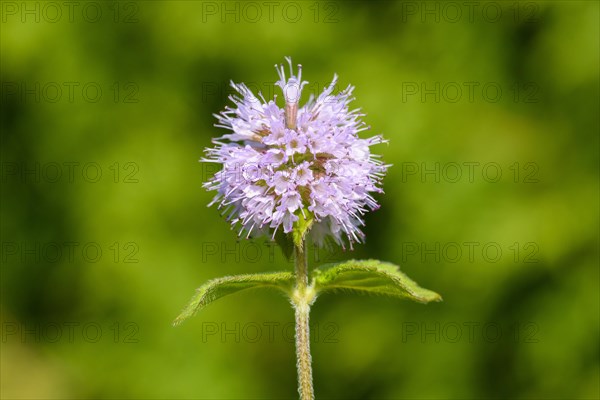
x: 491, y: 111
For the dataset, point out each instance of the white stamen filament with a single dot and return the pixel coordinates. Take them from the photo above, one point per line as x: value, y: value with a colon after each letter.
x: 291, y: 114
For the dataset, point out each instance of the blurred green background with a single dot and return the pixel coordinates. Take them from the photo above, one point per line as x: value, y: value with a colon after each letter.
x: 106, y: 110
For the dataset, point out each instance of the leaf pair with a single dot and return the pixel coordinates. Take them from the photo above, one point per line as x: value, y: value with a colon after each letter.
x: 362, y: 276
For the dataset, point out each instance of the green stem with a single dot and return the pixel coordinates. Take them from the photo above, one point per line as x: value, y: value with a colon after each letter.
x: 302, y: 299
x: 301, y: 267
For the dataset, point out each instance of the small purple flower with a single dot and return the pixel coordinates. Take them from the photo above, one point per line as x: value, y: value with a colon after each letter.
x: 283, y: 164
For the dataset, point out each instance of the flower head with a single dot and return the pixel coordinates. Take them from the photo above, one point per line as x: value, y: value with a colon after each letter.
x: 282, y: 164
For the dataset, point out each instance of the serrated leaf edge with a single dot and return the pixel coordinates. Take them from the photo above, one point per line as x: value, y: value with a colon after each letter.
x: 205, y: 294
x: 389, y: 271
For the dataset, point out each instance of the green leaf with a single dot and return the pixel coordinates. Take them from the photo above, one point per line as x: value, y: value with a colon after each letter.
x: 371, y: 276
x: 285, y: 244
x: 220, y: 287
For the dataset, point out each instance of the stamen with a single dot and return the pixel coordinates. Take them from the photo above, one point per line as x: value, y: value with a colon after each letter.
x: 291, y: 113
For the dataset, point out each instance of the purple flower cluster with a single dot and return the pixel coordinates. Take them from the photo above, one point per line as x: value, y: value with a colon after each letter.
x: 283, y: 164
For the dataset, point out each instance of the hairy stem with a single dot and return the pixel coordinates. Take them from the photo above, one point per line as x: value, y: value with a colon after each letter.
x: 301, y: 267
x: 302, y: 299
